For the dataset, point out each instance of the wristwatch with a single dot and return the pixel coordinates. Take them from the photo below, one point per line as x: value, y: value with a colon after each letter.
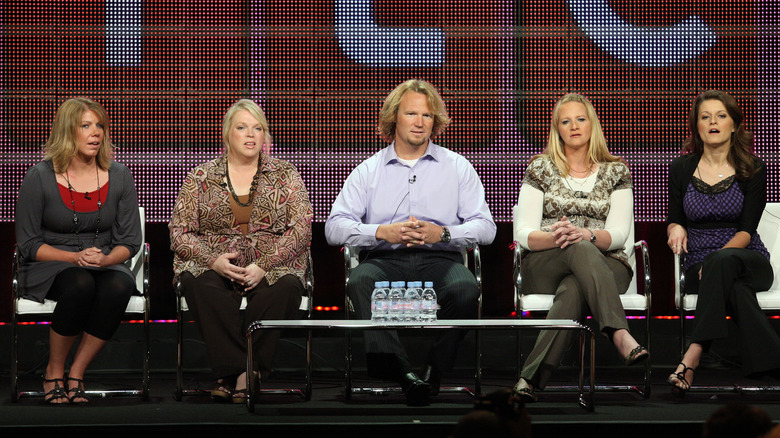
x: 445, y: 235
x: 592, y: 237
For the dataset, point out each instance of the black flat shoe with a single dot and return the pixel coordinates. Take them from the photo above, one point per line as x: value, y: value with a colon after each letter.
x: 416, y: 390
x: 432, y: 376
x: 638, y: 354
x: 679, y: 391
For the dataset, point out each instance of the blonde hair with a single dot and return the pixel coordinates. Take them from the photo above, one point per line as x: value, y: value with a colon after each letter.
x: 255, y: 111
x: 387, y: 116
x: 61, y: 145
x: 597, y: 150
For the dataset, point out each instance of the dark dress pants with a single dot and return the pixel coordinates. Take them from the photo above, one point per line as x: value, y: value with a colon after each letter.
x: 729, y: 282
x: 456, y: 290
x: 215, y: 308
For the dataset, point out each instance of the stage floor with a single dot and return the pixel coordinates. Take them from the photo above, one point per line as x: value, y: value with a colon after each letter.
x: 557, y: 413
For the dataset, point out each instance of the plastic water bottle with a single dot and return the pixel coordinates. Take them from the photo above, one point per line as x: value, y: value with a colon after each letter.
x: 379, y: 302
x: 395, y: 311
x: 412, y: 301
x: 428, y: 304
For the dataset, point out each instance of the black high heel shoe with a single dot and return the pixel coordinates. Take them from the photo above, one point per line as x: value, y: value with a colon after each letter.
x: 525, y: 392
x: 679, y: 391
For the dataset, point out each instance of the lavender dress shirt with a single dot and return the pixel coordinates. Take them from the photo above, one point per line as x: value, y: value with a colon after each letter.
x: 442, y: 188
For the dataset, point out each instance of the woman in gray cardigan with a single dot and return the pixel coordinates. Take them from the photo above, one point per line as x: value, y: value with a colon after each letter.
x: 77, y: 222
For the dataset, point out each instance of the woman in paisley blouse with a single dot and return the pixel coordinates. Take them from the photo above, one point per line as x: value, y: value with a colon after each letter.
x: 717, y: 193
x: 241, y: 226
x: 572, y: 220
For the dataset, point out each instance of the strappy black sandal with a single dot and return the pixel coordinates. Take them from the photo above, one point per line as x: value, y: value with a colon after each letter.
x: 78, y: 392
x: 678, y: 391
x: 58, y: 393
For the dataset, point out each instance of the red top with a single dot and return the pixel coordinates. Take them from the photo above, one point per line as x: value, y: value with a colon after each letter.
x: 85, y: 202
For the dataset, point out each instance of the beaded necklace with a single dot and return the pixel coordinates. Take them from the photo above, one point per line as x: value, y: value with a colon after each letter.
x: 252, y: 189
x: 73, y: 206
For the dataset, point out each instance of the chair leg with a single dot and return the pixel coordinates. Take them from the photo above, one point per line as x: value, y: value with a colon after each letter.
x: 179, y: 356
x: 348, y: 369
x: 147, y: 353
x: 15, y: 362
x: 478, y: 359
x: 307, y: 390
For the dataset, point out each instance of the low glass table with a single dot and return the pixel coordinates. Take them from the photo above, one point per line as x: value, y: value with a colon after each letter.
x: 350, y: 326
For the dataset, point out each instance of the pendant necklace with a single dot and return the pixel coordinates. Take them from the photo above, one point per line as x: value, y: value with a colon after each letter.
x: 73, y: 207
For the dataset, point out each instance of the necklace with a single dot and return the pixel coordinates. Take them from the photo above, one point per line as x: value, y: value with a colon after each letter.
x: 73, y: 206
x: 587, y: 171
x: 720, y: 174
x: 577, y: 193
x: 252, y: 189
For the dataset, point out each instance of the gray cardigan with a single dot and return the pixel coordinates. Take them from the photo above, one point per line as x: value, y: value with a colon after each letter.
x: 43, y: 218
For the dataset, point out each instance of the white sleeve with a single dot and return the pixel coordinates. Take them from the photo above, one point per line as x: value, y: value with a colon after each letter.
x: 620, y: 218
x: 527, y: 214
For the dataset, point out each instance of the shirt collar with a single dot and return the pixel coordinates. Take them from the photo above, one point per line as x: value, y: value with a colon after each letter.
x: 431, y: 151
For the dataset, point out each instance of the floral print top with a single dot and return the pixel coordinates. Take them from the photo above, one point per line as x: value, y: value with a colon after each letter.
x: 584, y: 210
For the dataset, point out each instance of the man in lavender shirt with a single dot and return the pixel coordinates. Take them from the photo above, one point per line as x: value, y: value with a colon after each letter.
x: 411, y: 208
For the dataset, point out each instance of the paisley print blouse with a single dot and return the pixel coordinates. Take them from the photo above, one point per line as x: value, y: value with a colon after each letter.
x: 278, y: 235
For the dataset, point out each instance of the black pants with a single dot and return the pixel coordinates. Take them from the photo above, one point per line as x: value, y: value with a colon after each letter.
x: 456, y: 291
x: 216, y: 310
x: 92, y: 301
x: 729, y: 282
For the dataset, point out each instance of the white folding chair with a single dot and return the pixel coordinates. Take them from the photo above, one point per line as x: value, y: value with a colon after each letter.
x: 769, y: 300
x: 138, y: 307
x: 181, y: 307
x: 632, y: 301
x: 351, y: 261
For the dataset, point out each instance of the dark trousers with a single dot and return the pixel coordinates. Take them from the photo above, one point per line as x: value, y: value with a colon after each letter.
x: 456, y: 290
x: 215, y: 308
x: 584, y: 281
x: 729, y: 281
x: 92, y: 301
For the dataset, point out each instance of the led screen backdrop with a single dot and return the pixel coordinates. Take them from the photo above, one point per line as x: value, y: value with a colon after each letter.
x: 166, y: 70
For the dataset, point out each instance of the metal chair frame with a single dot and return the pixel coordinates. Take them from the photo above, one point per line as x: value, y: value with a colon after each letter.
x: 632, y: 301
x: 350, y: 254
x: 28, y: 310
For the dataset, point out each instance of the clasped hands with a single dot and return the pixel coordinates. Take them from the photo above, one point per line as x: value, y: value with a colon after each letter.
x: 93, y: 257
x: 412, y: 232
x: 248, y: 277
x: 565, y: 233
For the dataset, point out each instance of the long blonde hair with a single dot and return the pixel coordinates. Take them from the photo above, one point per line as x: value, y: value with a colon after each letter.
x: 597, y: 150
x: 61, y: 144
